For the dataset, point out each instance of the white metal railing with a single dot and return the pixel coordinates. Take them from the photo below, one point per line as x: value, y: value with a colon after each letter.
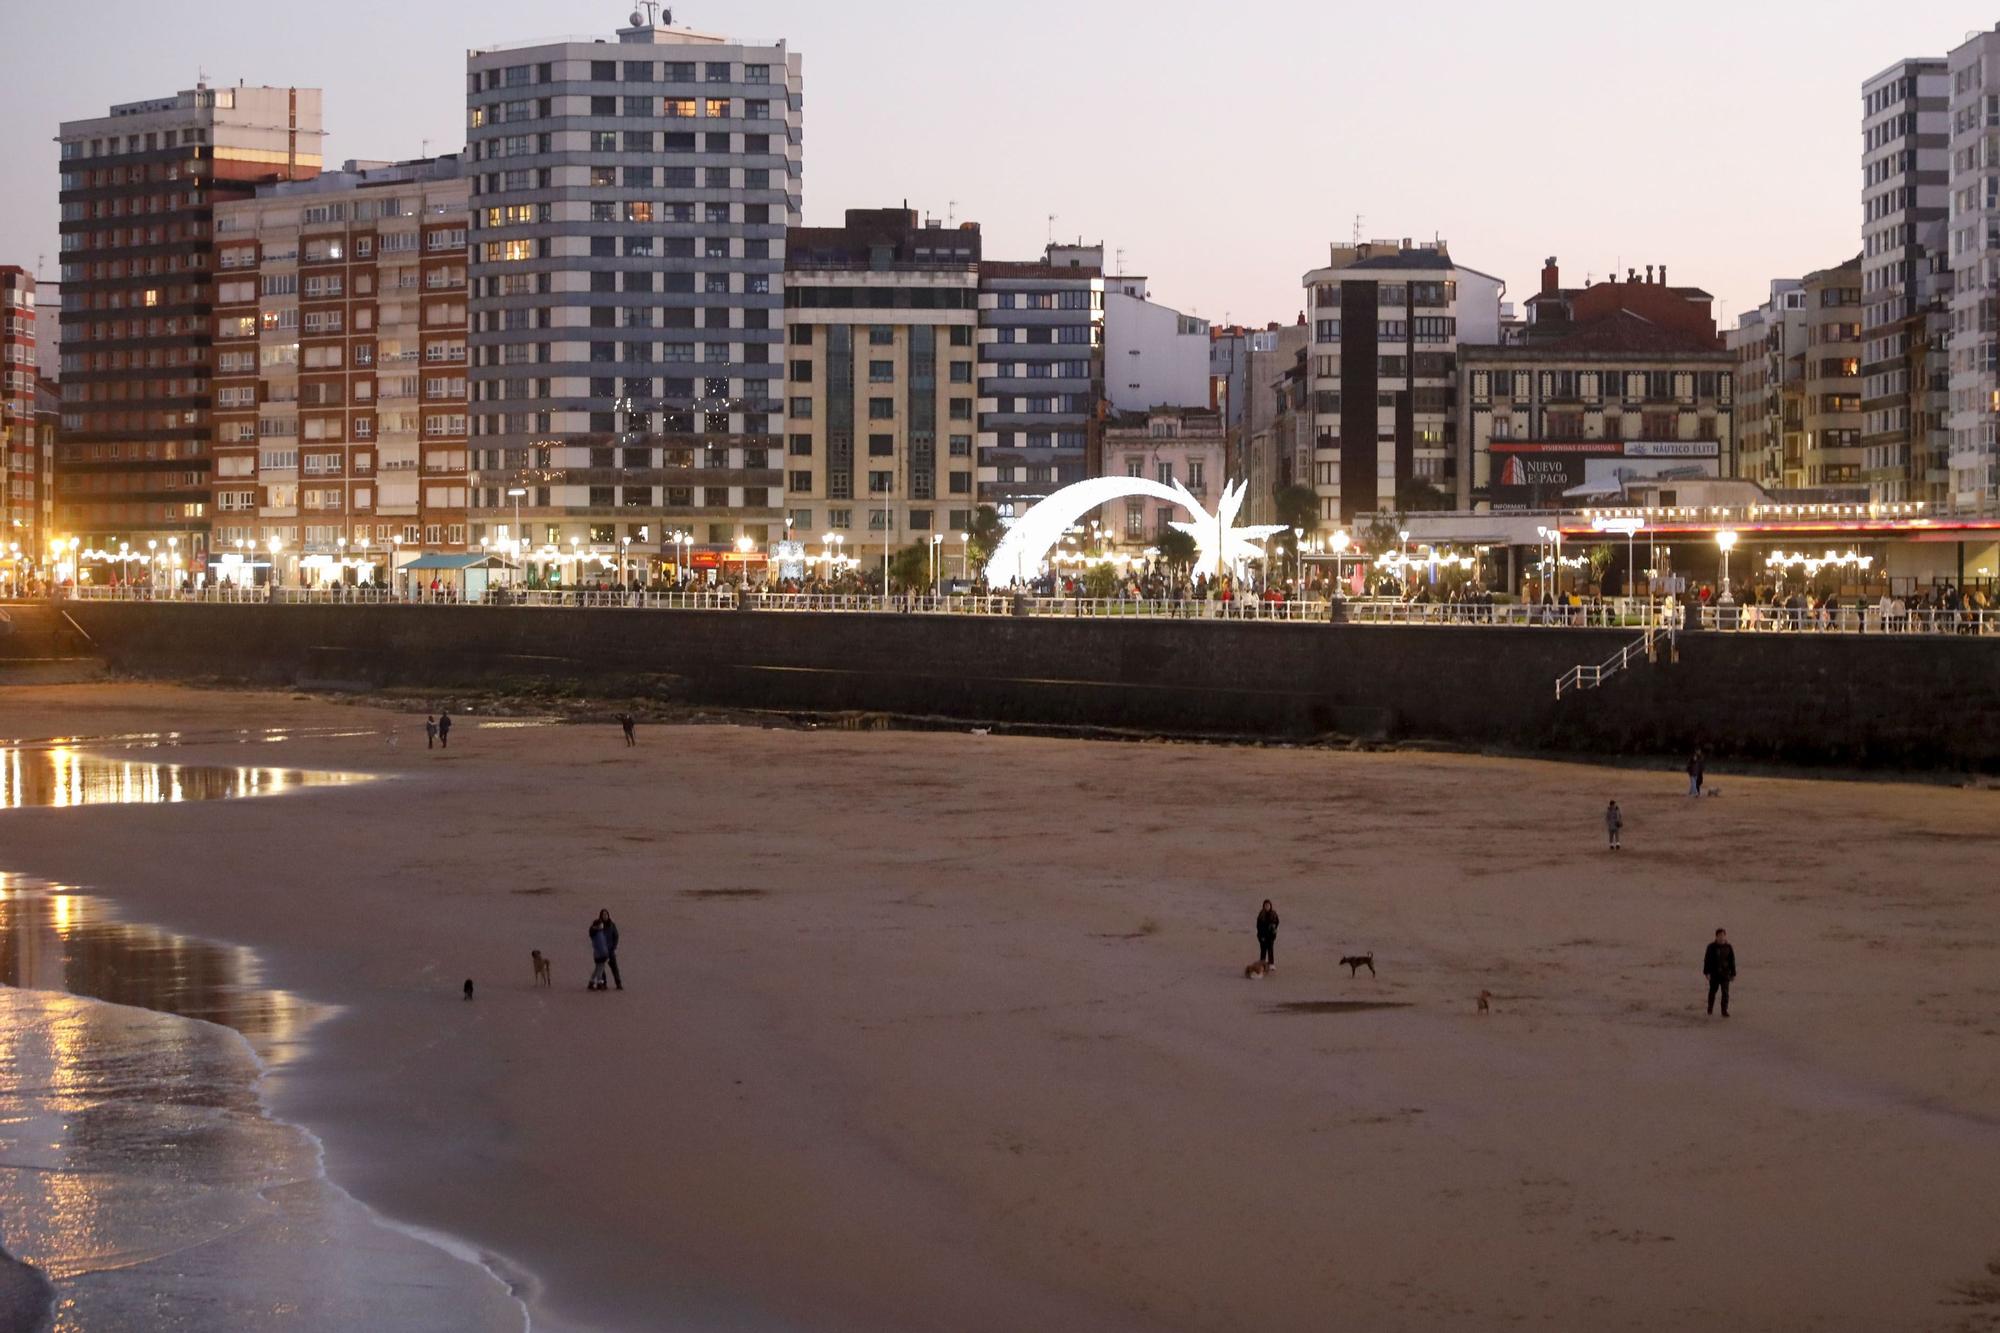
x: 1588, y: 676
x: 1635, y: 614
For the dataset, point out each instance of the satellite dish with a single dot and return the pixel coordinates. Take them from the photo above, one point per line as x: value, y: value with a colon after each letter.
x: 637, y: 21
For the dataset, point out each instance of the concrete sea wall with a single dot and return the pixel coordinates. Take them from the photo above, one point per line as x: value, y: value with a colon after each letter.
x: 1928, y: 703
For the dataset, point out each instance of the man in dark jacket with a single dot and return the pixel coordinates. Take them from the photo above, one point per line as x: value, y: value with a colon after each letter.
x: 609, y: 929
x: 1719, y: 966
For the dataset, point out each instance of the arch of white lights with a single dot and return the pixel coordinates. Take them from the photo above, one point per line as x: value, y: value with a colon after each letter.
x: 1035, y: 533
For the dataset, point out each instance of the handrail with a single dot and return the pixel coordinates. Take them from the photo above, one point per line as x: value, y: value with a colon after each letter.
x: 1588, y: 677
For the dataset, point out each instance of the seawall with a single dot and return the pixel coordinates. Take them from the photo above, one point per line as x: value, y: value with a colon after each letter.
x: 1915, y: 703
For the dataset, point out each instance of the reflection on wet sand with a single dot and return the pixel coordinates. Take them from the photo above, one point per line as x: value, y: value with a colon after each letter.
x: 54, y: 939
x: 138, y: 1169
x: 62, y: 777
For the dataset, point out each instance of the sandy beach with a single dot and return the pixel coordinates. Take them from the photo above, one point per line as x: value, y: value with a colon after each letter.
x: 942, y: 1031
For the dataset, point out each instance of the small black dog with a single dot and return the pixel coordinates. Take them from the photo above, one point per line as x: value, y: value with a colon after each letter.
x: 468, y: 988
x: 1355, y: 962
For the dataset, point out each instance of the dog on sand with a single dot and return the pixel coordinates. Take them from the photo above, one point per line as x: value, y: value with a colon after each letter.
x: 1355, y: 962
x: 542, y: 971
x: 1256, y: 972
x: 1485, y: 997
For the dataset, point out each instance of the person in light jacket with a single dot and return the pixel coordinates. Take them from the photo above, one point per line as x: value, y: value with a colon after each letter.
x: 1614, y: 821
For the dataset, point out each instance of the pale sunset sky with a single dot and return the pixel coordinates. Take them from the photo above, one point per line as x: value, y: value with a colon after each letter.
x: 1219, y: 146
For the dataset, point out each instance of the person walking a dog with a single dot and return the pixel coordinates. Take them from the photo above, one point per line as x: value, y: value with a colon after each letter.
x: 600, y: 954
x: 1614, y: 822
x: 1267, y: 935
x: 1696, y: 771
x: 604, y: 933
x: 1718, y: 964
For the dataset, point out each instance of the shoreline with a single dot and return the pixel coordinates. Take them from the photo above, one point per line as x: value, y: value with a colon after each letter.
x: 891, y: 1058
x: 29, y: 1295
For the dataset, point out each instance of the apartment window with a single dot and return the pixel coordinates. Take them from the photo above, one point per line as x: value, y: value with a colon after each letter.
x: 881, y: 409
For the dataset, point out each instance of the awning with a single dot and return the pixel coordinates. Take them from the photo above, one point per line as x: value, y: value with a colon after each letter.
x: 457, y: 562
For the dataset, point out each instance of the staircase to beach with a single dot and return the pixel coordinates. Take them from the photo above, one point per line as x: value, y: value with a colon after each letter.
x: 1589, y: 676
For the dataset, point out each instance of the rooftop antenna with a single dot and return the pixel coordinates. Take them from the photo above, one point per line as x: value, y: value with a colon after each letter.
x: 951, y: 213
x: 200, y: 77
x: 1357, y: 230
x: 646, y: 20
x: 1052, y: 229
x: 1121, y: 261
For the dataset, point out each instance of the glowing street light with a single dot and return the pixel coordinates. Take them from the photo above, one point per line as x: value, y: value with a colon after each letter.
x: 1726, y: 539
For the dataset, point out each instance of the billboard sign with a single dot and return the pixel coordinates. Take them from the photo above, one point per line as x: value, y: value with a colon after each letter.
x: 1532, y: 474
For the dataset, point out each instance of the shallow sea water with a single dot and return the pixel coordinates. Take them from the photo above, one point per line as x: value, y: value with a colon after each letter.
x: 139, y: 1171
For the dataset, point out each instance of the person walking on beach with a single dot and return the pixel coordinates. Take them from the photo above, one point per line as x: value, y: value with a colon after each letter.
x: 607, y: 930
x: 444, y: 729
x: 430, y: 733
x: 627, y: 721
x: 1267, y: 935
x: 1614, y: 821
x: 1719, y: 966
x: 1696, y: 769
x: 600, y: 954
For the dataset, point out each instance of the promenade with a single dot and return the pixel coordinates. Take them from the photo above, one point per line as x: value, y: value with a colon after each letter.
x: 1614, y: 613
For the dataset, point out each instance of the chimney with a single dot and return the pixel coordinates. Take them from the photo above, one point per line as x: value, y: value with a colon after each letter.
x: 1649, y: 275
x: 1631, y: 275
x: 1551, y: 277
x: 1663, y: 275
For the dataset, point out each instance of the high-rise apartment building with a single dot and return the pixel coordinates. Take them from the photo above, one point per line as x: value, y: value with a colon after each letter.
x: 20, y: 479
x: 1974, y: 260
x: 1388, y: 320
x: 1769, y: 350
x: 1041, y: 374
x: 340, y: 373
x: 1905, y: 128
x: 881, y: 359
x: 139, y: 189
x: 630, y: 200
x: 1831, y: 453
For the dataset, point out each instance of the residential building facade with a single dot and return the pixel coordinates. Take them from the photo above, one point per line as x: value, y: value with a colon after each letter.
x: 1608, y: 384
x: 1153, y: 355
x: 1388, y: 321
x: 1832, y: 453
x: 1769, y: 347
x: 881, y: 367
x: 139, y: 187
x: 1041, y: 374
x: 340, y: 443
x: 1973, y: 366
x: 1905, y: 160
x: 1167, y: 445
x: 630, y: 202
x: 20, y: 474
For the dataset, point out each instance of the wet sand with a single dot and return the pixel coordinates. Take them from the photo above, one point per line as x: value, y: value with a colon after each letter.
x: 942, y: 1031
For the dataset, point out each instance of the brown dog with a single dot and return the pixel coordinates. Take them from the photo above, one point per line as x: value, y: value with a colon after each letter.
x: 1255, y: 972
x: 543, y: 973
x: 1355, y: 962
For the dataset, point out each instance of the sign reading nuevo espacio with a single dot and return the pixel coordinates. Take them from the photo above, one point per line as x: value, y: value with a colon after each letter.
x: 1541, y: 474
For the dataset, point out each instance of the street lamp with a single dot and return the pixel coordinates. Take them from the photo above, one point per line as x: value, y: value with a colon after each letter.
x: 1726, y: 539
x: 743, y: 548
x: 516, y: 494
x: 937, y: 557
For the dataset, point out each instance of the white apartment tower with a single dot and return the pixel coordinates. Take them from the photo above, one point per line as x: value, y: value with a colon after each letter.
x: 1905, y: 122
x: 1974, y: 248
x: 629, y: 204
